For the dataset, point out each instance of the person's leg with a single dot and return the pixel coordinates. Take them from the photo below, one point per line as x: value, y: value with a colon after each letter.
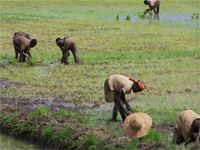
x: 158, y: 8
x: 24, y: 58
x: 122, y: 113
x: 65, y: 56
x: 177, y: 138
x: 16, y: 47
x: 110, y: 96
x: 76, y: 58
x: 115, y: 110
x: 21, y: 57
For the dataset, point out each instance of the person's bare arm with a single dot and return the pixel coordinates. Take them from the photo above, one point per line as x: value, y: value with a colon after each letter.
x: 121, y: 98
x: 23, y: 49
x: 29, y: 54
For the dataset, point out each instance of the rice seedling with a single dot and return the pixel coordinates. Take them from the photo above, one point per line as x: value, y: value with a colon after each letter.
x: 2, y: 64
x: 195, y: 15
x: 12, y: 61
x: 40, y: 110
x: 117, y: 17
x: 128, y: 17
x: 62, y: 113
x: 32, y: 61
x: 141, y: 15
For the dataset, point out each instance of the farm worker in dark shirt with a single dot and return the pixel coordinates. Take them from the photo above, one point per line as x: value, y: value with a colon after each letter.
x: 23, y: 45
x: 137, y: 125
x: 65, y: 45
x: 153, y: 4
x: 115, y: 89
x: 187, y: 127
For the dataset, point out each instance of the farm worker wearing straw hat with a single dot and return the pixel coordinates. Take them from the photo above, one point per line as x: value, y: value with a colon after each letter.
x: 153, y: 4
x: 115, y: 88
x: 187, y: 127
x: 137, y: 125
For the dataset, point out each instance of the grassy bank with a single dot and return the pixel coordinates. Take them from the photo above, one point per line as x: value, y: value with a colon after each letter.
x: 45, y: 129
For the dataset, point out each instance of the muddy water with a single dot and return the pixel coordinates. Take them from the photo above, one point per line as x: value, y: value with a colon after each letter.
x: 54, y: 104
x: 10, y: 143
x: 172, y: 17
x: 168, y: 20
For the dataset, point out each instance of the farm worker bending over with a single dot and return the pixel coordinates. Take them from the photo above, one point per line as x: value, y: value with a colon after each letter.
x: 65, y: 45
x: 115, y: 88
x: 153, y: 4
x: 22, y: 45
x: 137, y: 125
x: 187, y: 127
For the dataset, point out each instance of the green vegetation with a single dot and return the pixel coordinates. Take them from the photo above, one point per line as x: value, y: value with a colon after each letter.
x: 32, y: 61
x: 141, y: 15
x: 117, y: 17
x: 2, y: 64
x: 8, y: 143
x: 195, y: 15
x: 47, y: 132
x: 40, y: 110
x: 128, y: 17
x: 153, y: 136
x: 62, y: 113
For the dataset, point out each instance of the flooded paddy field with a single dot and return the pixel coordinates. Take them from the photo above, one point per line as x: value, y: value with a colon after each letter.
x: 60, y: 104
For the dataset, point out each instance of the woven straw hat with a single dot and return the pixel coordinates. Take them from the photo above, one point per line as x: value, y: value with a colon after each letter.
x: 137, y: 125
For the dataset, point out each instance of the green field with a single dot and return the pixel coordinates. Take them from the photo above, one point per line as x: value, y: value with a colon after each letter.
x: 164, y: 54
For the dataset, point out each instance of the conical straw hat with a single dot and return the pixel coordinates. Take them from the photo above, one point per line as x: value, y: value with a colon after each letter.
x: 137, y: 125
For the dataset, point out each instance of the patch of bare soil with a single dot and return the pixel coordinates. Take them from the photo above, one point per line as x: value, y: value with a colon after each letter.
x: 151, y: 146
x: 164, y: 128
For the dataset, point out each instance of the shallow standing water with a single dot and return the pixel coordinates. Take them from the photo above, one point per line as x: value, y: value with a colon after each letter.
x: 10, y: 143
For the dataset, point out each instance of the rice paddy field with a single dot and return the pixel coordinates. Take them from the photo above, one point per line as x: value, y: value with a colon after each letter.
x: 164, y: 53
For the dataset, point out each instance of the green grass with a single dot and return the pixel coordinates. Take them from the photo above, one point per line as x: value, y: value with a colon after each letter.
x: 62, y: 113
x: 152, y: 137
x: 40, y: 110
x: 163, y: 54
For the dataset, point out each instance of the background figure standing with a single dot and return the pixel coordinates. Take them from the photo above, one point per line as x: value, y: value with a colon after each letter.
x: 153, y: 4
x: 115, y: 88
x: 187, y: 127
x: 65, y: 45
x: 23, y: 45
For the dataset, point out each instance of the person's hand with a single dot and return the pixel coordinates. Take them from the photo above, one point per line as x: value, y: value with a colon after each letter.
x: 128, y: 107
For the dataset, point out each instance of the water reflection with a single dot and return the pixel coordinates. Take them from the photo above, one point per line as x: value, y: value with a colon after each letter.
x: 153, y: 17
x: 8, y: 143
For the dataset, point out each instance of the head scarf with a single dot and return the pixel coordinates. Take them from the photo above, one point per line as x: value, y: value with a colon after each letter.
x: 141, y: 84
